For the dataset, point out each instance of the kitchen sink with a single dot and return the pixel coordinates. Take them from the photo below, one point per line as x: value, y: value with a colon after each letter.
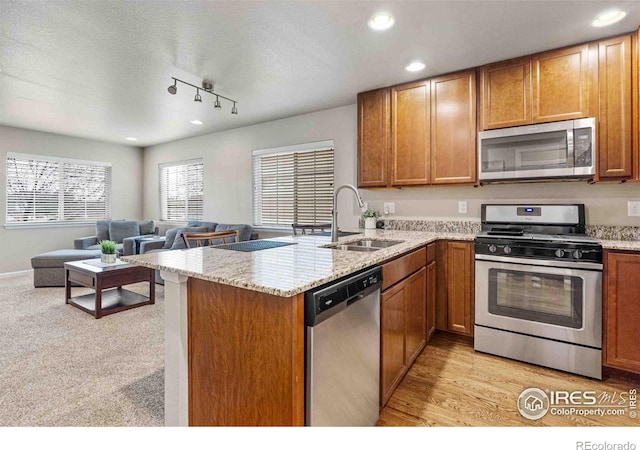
x: 363, y: 245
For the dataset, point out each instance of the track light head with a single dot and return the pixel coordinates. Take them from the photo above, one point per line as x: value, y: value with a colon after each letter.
x: 173, y: 88
x: 234, y: 110
x: 217, y: 104
x: 197, y: 98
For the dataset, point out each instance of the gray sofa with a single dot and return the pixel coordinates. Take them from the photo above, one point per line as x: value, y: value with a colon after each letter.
x: 174, y: 241
x: 123, y: 232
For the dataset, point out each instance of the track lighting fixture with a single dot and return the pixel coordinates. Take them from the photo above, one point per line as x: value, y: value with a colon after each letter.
x: 207, y: 86
x: 173, y: 88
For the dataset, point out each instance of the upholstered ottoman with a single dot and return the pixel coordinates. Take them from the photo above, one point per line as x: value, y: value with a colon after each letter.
x: 48, y: 268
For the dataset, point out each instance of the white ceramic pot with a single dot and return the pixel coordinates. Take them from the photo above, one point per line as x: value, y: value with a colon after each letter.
x: 108, y: 259
x: 370, y: 223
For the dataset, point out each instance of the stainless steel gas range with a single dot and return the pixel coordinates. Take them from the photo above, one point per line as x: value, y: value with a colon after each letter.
x: 539, y: 287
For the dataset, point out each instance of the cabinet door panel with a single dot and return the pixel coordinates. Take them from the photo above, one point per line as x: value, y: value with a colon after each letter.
x: 410, y: 131
x: 614, y: 124
x: 453, y: 128
x: 393, y: 342
x: 560, y: 84
x: 416, y: 298
x: 431, y: 300
x: 460, y: 284
x: 374, y: 124
x: 506, y: 94
x: 622, y: 309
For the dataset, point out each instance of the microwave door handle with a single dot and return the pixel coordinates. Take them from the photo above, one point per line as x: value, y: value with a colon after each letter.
x: 570, y: 149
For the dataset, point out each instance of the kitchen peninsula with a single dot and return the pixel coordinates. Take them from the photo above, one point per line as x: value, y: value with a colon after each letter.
x: 234, y: 324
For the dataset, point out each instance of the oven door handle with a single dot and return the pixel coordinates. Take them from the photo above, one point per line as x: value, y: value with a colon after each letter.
x: 542, y: 262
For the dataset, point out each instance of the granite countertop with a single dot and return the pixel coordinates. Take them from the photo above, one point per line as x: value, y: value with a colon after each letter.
x: 620, y: 245
x: 289, y: 270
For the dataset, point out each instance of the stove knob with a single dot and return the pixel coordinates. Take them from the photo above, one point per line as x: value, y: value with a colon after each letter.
x: 507, y: 249
x: 577, y: 254
x: 559, y: 253
x: 493, y: 248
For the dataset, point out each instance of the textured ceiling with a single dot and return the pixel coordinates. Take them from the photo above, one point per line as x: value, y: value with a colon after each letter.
x: 100, y: 69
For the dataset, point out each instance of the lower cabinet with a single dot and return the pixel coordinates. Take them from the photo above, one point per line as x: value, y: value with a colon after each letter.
x: 621, y: 296
x: 403, y: 319
x: 455, y: 288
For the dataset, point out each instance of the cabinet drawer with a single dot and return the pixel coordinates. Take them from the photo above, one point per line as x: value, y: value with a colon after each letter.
x: 402, y: 267
x: 82, y: 279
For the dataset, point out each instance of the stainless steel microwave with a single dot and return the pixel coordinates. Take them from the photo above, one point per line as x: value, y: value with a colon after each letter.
x: 551, y: 150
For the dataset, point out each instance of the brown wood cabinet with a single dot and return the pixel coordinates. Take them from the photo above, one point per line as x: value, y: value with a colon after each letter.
x: 621, y: 311
x: 374, y: 137
x: 403, y: 318
x: 615, y: 145
x: 546, y: 87
x: 431, y: 290
x: 455, y: 289
x: 453, y: 128
x: 560, y: 84
x: 410, y: 134
x: 506, y: 94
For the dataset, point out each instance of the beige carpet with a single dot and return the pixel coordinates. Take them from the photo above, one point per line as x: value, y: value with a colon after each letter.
x: 61, y: 367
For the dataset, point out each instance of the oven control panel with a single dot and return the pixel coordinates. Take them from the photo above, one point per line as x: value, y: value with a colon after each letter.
x: 564, y: 251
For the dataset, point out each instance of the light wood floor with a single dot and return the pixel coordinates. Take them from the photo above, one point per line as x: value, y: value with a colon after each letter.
x: 452, y: 385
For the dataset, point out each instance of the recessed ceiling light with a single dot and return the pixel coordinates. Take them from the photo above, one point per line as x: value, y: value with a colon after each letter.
x: 381, y: 22
x: 609, y: 17
x: 197, y: 122
x: 132, y: 139
x: 415, y: 66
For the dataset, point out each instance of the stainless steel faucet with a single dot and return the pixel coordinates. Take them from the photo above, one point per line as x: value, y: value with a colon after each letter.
x: 334, y: 213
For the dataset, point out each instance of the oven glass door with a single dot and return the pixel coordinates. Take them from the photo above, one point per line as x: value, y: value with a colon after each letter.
x: 553, y: 299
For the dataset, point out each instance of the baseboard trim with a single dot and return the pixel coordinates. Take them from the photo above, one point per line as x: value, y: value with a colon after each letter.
x: 13, y: 274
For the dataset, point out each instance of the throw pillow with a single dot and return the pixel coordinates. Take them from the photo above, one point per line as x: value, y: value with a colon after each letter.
x: 178, y: 242
x: 121, y: 229
x: 147, y: 226
x: 245, y: 230
x: 102, y: 230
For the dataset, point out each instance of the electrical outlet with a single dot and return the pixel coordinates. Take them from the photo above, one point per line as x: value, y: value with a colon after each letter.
x: 633, y: 209
x: 462, y: 207
x: 389, y: 208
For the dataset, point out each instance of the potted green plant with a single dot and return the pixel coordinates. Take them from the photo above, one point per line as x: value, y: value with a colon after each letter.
x: 370, y: 217
x: 108, y: 249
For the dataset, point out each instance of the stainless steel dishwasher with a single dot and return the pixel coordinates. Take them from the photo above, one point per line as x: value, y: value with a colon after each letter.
x: 342, y: 368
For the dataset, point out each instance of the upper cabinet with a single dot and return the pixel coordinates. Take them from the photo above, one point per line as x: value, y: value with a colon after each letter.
x: 560, y: 84
x: 453, y: 128
x: 433, y: 133
x: 614, y: 133
x: 506, y: 94
x: 410, y: 134
x: 546, y: 87
x: 374, y: 137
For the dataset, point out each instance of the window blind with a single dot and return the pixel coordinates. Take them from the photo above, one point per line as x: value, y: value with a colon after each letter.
x: 293, y: 186
x: 46, y: 189
x: 181, y: 190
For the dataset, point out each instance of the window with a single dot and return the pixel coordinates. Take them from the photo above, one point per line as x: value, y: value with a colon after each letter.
x: 43, y: 189
x: 181, y: 190
x: 293, y: 185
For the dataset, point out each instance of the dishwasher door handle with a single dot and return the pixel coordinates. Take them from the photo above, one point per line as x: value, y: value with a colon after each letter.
x: 360, y: 296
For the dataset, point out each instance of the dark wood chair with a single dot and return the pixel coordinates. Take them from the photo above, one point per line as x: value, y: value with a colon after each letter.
x: 205, y: 239
x: 303, y: 229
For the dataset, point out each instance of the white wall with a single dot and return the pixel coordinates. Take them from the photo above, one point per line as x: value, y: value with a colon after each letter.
x: 17, y: 246
x: 227, y: 157
x: 227, y: 162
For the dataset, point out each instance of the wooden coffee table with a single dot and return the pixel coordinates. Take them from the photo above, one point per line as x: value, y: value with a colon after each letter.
x: 98, y: 276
